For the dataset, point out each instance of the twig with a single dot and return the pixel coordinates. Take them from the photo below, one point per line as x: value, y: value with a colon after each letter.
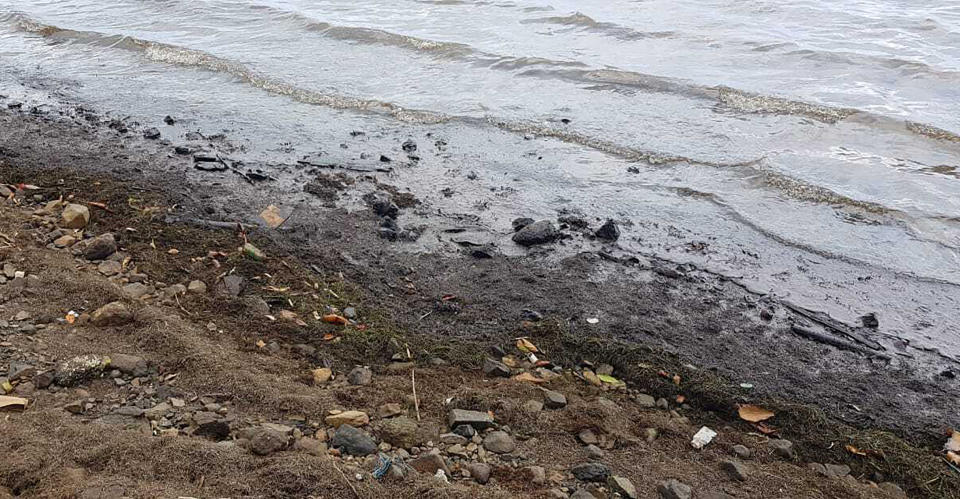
x: 413, y: 382
x: 424, y: 316
x: 345, y: 479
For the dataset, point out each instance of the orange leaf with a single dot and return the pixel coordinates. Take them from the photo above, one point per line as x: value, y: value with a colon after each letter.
x: 676, y: 379
x: 765, y: 428
x: 953, y: 457
x: 853, y: 450
x: 335, y: 319
x: 681, y: 399
x: 524, y: 345
x: 754, y: 413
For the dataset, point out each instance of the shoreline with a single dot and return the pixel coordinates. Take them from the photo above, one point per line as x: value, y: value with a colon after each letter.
x: 678, y: 317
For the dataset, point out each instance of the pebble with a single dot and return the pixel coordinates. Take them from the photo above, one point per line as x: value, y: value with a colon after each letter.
x: 389, y: 410
x: 652, y: 434
x: 588, y: 437
x: 532, y: 406
x: 536, y: 474
x: 109, y: 268
x: 594, y: 452
x: 321, y: 375
x: 135, y: 290
x: 353, y: 441
x: 429, y: 463
x: 465, y: 430
x: 647, y: 401
x: 609, y: 231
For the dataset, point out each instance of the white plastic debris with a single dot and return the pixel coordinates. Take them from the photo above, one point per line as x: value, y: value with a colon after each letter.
x: 703, y: 437
x: 593, y: 320
x: 441, y: 476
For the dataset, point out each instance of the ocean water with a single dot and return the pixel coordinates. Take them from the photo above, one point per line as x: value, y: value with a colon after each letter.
x: 809, y: 149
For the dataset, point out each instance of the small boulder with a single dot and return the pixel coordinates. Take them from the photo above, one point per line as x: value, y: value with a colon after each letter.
x: 499, y: 442
x: 354, y: 418
x: 400, y: 431
x: 742, y: 451
x: 478, y: 420
x: 541, y: 232
x: 197, y: 287
x: 75, y: 216
x: 151, y: 133
x: 77, y: 369
x: 608, y: 231
x: 129, y: 364
x: 480, y: 472
x: 100, y: 247
x: 360, y: 376
x: 429, y: 463
x: 495, y: 368
x: 265, y: 441
x: 673, y: 489
x: 554, y: 400
x: 622, y: 486
x: 353, y: 441
x: 112, y: 314
x: 232, y: 285
x: 591, y: 472
x: 782, y: 448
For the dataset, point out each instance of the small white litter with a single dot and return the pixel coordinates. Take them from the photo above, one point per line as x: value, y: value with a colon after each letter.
x: 593, y: 320
x: 702, y: 438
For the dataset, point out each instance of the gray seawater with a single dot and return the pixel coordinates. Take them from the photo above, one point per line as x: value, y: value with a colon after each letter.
x: 811, y: 146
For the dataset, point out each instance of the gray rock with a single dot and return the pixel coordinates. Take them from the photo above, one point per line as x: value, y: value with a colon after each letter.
x: 265, y: 441
x: 480, y: 472
x: 532, y: 406
x: 151, y: 133
x: 44, y: 379
x: 381, y: 204
x: 742, y: 451
x: 400, y: 431
x: 75, y: 216
x: 644, y: 400
x: 782, y: 448
x: 591, y: 472
x: 609, y: 231
x: 158, y: 411
x: 499, y: 442
x: 20, y: 370
x: 232, y: 285
x: 594, y: 452
x: 673, y: 489
x: 554, y: 400
x: 135, y: 290
x: 478, y: 420
x: 622, y: 486
x: 112, y: 314
x: 129, y: 364
x: 495, y: 368
x: 536, y: 474
x: 582, y: 494
x: 588, y: 437
x: 109, y: 268
x: 734, y: 470
x: 197, y: 287
x: 100, y: 247
x: 130, y: 411
x: 353, y: 441
x: 520, y: 223
x: 837, y: 470
x: 360, y: 376
x: 465, y: 430
x: 453, y: 439
x: 541, y: 232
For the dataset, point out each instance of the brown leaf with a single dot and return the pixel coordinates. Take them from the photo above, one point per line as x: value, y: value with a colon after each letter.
x: 953, y: 457
x: 272, y: 216
x: 754, y: 413
x: 524, y: 345
x: 528, y: 377
x: 765, y: 428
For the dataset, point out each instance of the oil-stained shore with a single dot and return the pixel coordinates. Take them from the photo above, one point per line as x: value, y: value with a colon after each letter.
x: 708, y: 322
